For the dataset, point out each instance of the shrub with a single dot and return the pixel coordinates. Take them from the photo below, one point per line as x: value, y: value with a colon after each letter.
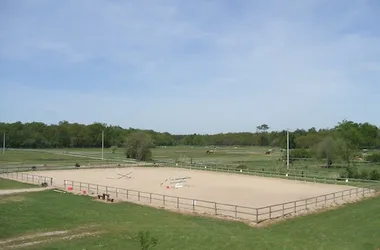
x: 351, y: 172
x: 364, y: 175
x: 374, y: 175
x: 146, y: 241
x: 77, y: 165
x: 295, y: 154
x: 375, y: 157
x: 241, y: 166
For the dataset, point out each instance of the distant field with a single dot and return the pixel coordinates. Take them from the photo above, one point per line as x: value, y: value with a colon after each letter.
x: 251, y: 157
x: 78, y: 222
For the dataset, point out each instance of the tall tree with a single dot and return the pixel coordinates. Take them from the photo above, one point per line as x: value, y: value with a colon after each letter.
x: 138, y: 146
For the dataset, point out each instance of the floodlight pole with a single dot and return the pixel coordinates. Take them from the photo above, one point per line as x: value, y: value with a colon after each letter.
x: 102, y: 144
x: 287, y: 149
x: 4, y: 143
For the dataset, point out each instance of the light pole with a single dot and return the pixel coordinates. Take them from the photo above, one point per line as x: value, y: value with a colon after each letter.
x: 4, y: 143
x: 102, y: 144
x: 287, y: 149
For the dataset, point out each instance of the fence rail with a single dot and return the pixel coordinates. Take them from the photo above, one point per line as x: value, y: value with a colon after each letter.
x: 219, y: 209
x: 281, y: 175
x: 314, y: 203
x: 27, y: 178
x: 215, y: 168
x: 66, y: 166
x: 225, y: 210
x: 166, y: 201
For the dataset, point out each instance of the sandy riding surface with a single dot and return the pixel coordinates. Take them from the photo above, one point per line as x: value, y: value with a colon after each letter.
x: 225, y: 188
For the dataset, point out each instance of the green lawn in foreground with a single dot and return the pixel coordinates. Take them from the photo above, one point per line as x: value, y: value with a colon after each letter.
x: 355, y: 226
x: 9, y: 184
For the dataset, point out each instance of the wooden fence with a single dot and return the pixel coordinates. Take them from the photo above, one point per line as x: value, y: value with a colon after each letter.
x: 27, y: 178
x: 281, y: 175
x: 165, y: 201
x: 224, y: 210
x: 213, y: 168
x: 314, y: 203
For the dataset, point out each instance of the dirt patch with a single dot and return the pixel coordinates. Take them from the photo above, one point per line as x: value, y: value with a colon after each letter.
x: 23, y: 190
x: 12, y: 198
x: 46, y: 237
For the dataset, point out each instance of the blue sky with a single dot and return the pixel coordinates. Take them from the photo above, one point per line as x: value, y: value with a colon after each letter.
x: 200, y: 66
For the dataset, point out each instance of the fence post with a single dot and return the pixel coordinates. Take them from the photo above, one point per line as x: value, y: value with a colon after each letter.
x: 235, y: 211
x: 117, y: 193
x: 80, y: 186
x: 305, y: 204
x: 64, y: 184
x: 350, y: 193
x: 295, y: 206
x: 163, y: 200
x: 150, y: 197
x: 138, y: 195
x: 106, y: 189
x: 270, y: 212
x: 127, y: 193
x: 216, y: 211
x: 334, y: 197
x: 283, y: 209
x: 257, y: 215
x: 178, y: 202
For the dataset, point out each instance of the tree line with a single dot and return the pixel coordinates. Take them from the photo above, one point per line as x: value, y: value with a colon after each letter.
x: 74, y: 135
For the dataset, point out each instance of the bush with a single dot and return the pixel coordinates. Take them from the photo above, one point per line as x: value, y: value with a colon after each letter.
x: 375, y: 158
x: 146, y: 241
x: 374, y: 175
x: 77, y: 165
x: 364, y: 175
x: 241, y: 166
x: 351, y: 172
x: 300, y: 154
x: 138, y: 146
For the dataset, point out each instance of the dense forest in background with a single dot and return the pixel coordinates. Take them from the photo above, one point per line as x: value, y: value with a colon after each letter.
x: 74, y: 135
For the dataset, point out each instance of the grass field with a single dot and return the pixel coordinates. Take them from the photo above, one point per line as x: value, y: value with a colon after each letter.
x: 251, y: 157
x: 9, y: 184
x: 113, y: 226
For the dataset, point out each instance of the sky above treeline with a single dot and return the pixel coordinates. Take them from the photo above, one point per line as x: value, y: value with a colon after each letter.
x: 191, y: 66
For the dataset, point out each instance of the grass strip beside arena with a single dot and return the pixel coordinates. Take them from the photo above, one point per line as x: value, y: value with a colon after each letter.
x: 113, y: 226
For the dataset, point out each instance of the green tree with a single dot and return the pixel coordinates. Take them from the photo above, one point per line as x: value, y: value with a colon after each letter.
x: 349, y: 140
x: 263, y: 136
x: 327, y: 149
x: 138, y: 146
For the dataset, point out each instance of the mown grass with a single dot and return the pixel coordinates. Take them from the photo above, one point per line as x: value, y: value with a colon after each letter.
x: 250, y: 157
x: 50, y: 158
x: 9, y: 184
x: 355, y: 226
